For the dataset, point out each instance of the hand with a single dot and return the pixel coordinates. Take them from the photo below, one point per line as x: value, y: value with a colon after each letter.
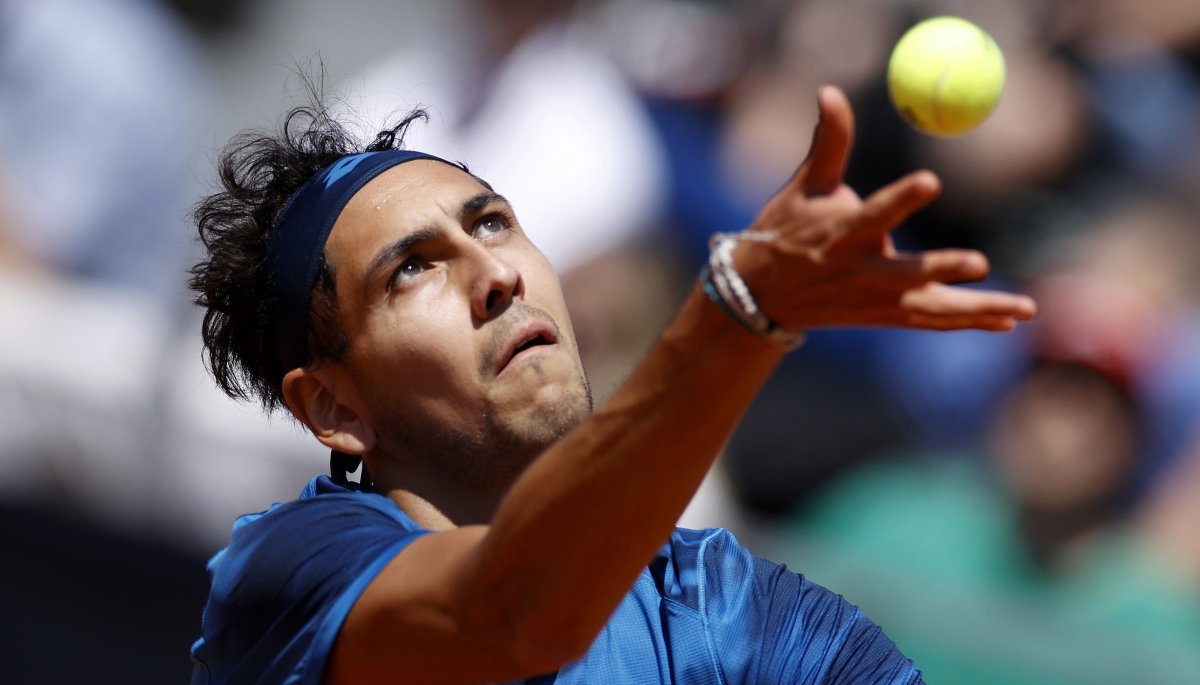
x: 834, y: 262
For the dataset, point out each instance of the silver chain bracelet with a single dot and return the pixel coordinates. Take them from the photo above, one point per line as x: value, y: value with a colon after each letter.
x: 725, y: 287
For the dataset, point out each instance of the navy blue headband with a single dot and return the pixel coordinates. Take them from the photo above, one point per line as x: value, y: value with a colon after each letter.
x: 295, y: 247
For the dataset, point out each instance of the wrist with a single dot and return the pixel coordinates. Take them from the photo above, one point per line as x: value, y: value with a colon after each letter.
x: 722, y: 282
x: 709, y: 326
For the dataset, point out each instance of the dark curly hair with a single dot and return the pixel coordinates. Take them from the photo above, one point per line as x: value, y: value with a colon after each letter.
x: 258, y: 173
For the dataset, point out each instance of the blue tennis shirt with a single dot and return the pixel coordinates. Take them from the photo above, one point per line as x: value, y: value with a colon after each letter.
x: 704, y: 611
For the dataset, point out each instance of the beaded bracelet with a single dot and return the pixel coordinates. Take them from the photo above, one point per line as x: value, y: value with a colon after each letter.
x: 725, y: 287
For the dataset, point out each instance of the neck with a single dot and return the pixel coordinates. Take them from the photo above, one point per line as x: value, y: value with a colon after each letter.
x: 435, y: 503
x: 427, y: 515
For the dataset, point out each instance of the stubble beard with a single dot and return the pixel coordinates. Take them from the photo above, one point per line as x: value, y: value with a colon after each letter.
x: 507, y: 446
x: 489, y: 458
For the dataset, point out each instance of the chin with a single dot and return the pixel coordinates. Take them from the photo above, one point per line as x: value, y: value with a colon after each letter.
x: 553, y: 415
x: 545, y: 404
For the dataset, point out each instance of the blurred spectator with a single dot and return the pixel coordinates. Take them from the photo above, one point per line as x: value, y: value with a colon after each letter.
x: 1131, y: 263
x: 96, y: 171
x: 100, y: 104
x: 107, y: 411
x: 97, y: 126
x: 1170, y: 519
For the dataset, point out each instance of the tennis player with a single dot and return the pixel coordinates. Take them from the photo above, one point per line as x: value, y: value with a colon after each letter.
x: 499, y: 529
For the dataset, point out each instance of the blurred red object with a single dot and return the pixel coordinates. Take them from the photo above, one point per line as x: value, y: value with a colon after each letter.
x: 1108, y: 326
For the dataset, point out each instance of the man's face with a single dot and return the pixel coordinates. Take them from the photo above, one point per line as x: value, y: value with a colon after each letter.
x: 461, y: 351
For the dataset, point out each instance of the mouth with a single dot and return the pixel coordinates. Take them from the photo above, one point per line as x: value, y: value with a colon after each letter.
x: 526, y: 337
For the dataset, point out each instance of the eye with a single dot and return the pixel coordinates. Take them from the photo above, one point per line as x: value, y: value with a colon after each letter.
x: 409, y: 268
x: 490, y: 225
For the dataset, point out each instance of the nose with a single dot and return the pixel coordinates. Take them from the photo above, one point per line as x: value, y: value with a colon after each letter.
x: 494, y: 285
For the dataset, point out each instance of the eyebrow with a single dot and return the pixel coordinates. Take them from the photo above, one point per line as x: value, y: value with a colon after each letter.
x: 400, y: 248
x: 478, y: 203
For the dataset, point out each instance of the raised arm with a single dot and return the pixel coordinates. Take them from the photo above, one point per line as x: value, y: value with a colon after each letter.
x: 532, y: 590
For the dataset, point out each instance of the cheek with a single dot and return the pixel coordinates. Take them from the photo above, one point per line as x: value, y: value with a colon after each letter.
x: 420, y: 364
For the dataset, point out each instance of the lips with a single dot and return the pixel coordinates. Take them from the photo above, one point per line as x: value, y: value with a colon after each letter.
x: 526, y: 336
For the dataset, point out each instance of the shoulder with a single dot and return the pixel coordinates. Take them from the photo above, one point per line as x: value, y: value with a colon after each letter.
x: 289, y: 576
x: 325, y: 516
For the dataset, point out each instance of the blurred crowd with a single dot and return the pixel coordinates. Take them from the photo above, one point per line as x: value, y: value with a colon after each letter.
x: 1020, y: 508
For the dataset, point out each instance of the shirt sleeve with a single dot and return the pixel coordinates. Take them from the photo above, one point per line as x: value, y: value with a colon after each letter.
x: 767, y: 624
x: 284, y: 586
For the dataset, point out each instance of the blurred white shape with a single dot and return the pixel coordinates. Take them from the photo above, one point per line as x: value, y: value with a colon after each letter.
x: 552, y: 127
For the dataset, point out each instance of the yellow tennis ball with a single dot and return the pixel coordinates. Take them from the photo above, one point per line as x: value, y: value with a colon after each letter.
x: 945, y: 76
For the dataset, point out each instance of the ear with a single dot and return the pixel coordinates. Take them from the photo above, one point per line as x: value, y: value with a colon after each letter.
x: 312, y: 395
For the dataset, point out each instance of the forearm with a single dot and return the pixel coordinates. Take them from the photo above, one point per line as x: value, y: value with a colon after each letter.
x: 585, y: 518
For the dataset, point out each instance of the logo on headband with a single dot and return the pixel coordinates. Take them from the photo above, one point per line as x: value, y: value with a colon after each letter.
x: 343, y: 166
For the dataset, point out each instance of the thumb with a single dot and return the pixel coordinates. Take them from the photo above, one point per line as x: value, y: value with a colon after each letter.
x: 823, y: 170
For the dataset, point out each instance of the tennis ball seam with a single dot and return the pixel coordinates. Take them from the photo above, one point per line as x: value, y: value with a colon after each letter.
x: 936, y: 104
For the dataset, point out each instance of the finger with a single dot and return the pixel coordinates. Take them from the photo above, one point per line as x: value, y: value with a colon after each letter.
x: 822, y: 172
x: 898, y: 318
x: 939, y: 300
x: 944, y: 266
x: 998, y: 324
x: 888, y: 207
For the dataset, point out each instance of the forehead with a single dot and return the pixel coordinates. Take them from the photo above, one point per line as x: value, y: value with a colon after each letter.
x: 401, y: 200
